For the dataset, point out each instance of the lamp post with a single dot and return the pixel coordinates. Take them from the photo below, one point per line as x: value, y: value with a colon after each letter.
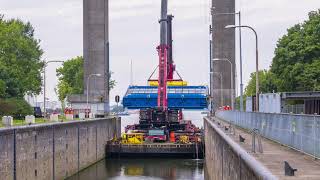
x: 257, y: 60
x: 88, y: 80
x: 240, y: 51
x: 211, y: 94
x: 44, y: 83
x: 231, y: 78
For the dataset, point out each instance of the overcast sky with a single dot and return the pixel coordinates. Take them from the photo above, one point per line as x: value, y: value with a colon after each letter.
x: 134, y: 34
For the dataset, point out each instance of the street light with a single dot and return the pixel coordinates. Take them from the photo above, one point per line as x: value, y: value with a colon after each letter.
x: 232, y: 80
x: 221, y: 98
x: 44, y: 83
x: 240, y: 51
x: 97, y: 75
x: 257, y: 60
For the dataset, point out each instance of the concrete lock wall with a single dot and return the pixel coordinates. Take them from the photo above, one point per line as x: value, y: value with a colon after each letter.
x: 225, y: 160
x: 54, y: 151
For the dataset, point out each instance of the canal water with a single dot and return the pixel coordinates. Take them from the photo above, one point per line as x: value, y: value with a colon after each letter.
x: 146, y: 169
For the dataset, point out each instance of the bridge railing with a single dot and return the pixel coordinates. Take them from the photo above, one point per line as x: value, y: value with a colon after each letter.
x: 300, y: 132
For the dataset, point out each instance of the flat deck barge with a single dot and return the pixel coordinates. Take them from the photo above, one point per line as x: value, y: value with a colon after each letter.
x: 193, y: 151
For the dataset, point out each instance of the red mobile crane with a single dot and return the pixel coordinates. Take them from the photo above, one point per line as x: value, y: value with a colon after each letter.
x: 158, y: 123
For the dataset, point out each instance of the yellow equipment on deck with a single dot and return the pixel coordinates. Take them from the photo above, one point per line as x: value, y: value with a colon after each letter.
x: 184, y: 139
x: 169, y: 83
x: 132, y: 138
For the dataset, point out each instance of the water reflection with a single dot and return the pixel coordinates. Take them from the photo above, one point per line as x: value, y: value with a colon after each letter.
x: 121, y: 169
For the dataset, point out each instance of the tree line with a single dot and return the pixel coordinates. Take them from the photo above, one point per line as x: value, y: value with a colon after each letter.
x: 296, y: 64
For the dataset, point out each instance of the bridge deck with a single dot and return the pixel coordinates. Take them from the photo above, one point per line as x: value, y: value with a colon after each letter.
x: 275, y: 154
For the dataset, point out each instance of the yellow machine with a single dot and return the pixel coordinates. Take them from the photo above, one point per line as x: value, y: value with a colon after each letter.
x: 132, y: 138
x: 169, y: 83
x: 184, y: 139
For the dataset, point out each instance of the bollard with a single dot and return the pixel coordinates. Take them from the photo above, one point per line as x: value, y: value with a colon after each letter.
x: 82, y: 115
x: 69, y: 117
x: 7, y: 121
x: 30, y: 119
x: 54, y: 118
x: 91, y: 115
x: 256, y: 134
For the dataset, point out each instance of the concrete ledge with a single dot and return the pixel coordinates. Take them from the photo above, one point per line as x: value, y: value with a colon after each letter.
x: 225, y: 159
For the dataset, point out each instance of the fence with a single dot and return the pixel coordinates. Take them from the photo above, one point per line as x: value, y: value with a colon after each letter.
x: 295, y: 109
x: 301, y: 132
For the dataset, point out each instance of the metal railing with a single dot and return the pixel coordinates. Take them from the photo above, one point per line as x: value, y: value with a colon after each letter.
x: 300, y: 132
x: 295, y: 109
x: 240, y: 154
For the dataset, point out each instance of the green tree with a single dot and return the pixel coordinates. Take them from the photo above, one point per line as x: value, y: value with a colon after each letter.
x: 266, y: 83
x: 297, y: 56
x: 20, y: 64
x: 16, y: 107
x: 71, y: 78
x: 296, y: 65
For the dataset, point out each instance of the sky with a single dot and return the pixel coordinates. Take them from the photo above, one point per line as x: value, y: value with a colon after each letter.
x: 134, y: 34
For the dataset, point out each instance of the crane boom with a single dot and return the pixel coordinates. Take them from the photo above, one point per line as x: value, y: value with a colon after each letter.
x: 163, y: 58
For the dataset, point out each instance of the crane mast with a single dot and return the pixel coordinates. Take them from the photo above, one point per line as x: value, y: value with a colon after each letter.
x: 163, y: 58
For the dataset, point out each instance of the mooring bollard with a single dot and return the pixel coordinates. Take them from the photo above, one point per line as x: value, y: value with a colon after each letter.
x: 30, y: 119
x: 7, y: 121
x: 54, y: 117
x: 82, y: 116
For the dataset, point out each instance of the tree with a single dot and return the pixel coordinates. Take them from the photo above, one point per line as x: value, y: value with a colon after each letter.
x: 16, y: 107
x: 266, y: 83
x: 296, y: 65
x: 20, y: 64
x: 297, y: 57
x: 71, y: 78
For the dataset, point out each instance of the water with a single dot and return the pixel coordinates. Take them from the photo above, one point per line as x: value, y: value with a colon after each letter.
x: 146, y: 169
x: 143, y: 169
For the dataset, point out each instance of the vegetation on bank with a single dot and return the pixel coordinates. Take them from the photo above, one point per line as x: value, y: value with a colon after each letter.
x: 296, y: 65
x: 18, y: 108
x: 20, y: 59
x: 71, y: 78
x: 20, y: 66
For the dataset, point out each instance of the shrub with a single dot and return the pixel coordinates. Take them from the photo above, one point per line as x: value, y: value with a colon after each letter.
x: 16, y: 107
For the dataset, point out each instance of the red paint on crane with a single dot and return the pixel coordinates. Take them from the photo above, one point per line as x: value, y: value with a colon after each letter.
x: 162, y: 79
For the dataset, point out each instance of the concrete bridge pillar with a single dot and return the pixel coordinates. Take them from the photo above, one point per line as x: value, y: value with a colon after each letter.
x: 223, y: 47
x: 96, y: 58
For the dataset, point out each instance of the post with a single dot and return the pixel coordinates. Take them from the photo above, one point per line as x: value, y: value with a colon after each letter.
x: 210, y: 70
x: 257, y: 72
x: 44, y: 90
x: 240, y: 51
x: 231, y: 78
x: 314, y: 135
x: 257, y: 61
x: 44, y: 83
